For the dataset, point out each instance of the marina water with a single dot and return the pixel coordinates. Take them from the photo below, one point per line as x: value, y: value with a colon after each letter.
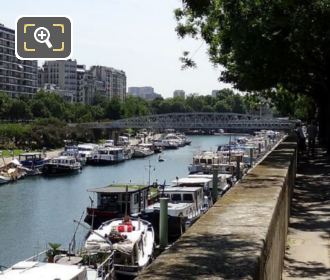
x: 38, y: 210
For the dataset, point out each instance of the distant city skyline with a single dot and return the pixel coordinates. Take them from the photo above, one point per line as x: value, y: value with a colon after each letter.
x: 136, y: 36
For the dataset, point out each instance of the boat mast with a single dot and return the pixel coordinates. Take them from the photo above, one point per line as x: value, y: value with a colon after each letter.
x: 126, y: 200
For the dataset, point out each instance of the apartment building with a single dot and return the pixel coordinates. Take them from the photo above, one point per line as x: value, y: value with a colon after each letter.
x: 110, y: 82
x: 179, y: 93
x: 147, y: 92
x: 17, y: 77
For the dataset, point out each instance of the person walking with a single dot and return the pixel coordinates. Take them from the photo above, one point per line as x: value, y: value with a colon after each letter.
x: 311, y: 134
x: 301, y: 139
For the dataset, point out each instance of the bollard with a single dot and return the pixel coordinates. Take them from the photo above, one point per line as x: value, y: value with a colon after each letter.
x: 238, y: 169
x: 215, y: 185
x: 163, y: 222
x: 251, y: 157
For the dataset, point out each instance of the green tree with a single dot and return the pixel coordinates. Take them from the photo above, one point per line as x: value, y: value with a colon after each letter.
x: 266, y: 44
x: 5, y: 104
x: 19, y: 110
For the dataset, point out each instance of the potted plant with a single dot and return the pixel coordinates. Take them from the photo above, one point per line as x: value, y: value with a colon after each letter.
x: 53, y: 251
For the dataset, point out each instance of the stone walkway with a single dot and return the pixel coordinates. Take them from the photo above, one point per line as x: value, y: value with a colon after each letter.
x: 308, y: 243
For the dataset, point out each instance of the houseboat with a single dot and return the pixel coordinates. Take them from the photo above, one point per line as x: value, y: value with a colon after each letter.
x: 33, y: 161
x: 61, y: 165
x: 225, y: 181
x: 108, y: 155
x: 111, y: 202
x: 73, y: 151
x: 87, y: 151
x: 185, y: 206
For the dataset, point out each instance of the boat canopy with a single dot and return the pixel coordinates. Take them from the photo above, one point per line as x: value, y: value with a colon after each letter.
x: 119, y: 189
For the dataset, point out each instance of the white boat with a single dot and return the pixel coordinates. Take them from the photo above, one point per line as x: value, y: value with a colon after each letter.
x: 109, y: 143
x: 133, y: 242
x: 87, y: 151
x: 175, y: 138
x: 4, y: 179
x: 204, y: 161
x: 108, y: 155
x: 61, y: 165
x: 225, y: 181
x: 72, y: 151
x: 185, y: 206
x: 12, y: 171
x: 123, y: 141
x: 65, y: 267
x: 143, y: 150
x: 170, y: 144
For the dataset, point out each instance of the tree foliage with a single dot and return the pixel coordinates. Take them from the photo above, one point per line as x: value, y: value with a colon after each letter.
x: 267, y: 45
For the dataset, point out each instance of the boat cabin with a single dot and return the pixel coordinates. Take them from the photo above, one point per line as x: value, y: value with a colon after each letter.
x: 63, y: 160
x: 31, y: 160
x: 184, y: 194
x: 111, y: 202
x: 224, y: 180
x: 109, y: 143
x: 205, y: 183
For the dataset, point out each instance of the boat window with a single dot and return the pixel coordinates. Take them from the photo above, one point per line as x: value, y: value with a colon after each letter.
x: 176, y: 197
x: 136, y: 198
x: 203, y: 160
x: 196, y: 161
x: 210, y: 161
x: 188, y: 197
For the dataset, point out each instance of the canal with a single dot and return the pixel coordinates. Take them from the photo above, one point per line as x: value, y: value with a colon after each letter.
x: 38, y: 210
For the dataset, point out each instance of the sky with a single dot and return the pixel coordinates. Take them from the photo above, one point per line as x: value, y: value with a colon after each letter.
x: 137, y: 36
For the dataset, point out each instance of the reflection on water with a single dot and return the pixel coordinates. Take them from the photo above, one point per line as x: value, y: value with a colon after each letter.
x: 38, y: 210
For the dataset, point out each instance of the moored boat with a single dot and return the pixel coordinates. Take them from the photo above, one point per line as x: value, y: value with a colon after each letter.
x: 61, y: 165
x: 143, y: 150
x: 132, y: 240
x: 111, y: 202
x: 108, y: 155
x: 185, y: 206
x: 34, y: 161
x: 87, y: 151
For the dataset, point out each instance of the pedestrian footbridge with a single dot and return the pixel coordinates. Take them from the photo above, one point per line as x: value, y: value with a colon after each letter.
x: 197, y: 121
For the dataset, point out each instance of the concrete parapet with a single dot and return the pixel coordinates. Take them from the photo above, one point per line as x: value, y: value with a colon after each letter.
x: 243, y: 235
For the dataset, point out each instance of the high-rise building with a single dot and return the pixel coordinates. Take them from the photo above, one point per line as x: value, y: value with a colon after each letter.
x: 17, y: 77
x: 63, y: 74
x: 147, y: 93
x: 215, y: 92
x: 81, y: 84
x: 110, y: 82
x: 179, y: 93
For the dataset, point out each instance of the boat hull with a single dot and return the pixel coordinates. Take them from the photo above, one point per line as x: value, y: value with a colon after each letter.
x: 176, y: 225
x: 49, y: 170
x: 105, y: 161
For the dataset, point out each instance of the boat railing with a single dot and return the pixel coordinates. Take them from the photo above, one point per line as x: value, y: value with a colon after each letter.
x: 106, y: 268
x: 36, y: 257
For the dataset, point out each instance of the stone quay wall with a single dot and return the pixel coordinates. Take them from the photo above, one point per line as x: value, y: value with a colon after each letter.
x: 243, y: 235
